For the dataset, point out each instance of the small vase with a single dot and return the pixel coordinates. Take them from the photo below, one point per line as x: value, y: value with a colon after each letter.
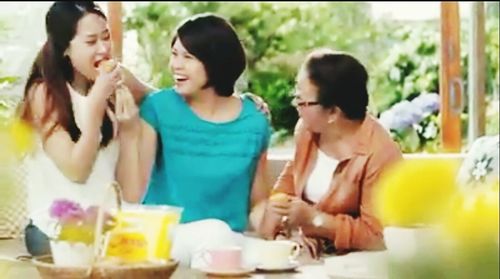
x: 67, y: 253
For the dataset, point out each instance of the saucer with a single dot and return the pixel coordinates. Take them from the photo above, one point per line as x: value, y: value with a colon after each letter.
x: 290, y: 266
x: 227, y: 272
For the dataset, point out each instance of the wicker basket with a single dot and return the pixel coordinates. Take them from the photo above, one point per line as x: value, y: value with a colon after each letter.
x: 48, y: 270
x: 101, y: 269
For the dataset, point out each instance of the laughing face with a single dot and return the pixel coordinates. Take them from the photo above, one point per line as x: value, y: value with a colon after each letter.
x: 90, y: 46
x: 190, y: 75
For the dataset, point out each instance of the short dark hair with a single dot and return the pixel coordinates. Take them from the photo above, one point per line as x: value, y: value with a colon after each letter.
x: 341, y: 80
x: 213, y: 41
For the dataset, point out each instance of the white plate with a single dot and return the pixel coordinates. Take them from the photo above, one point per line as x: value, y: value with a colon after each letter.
x: 288, y: 267
x: 357, y: 265
x: 222, y: 273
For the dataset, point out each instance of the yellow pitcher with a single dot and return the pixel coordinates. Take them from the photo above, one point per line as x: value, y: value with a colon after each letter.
x: 143, y: 233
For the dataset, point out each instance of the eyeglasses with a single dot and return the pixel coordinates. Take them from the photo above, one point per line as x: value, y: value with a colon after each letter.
x: 297, y: 103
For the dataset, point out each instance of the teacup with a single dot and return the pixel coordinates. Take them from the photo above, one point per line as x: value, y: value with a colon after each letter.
x: 223, y: 258
x: 277, y: 253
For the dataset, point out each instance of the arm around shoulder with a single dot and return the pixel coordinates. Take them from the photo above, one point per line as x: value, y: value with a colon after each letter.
x: 144, y: 162
x: 138, y: 87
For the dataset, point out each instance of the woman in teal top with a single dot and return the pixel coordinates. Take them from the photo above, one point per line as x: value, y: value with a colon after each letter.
x: 206, y: 167
x: 201, y: 147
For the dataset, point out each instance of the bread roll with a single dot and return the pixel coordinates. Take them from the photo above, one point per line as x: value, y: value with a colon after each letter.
x: 108, y: 65
x: 282, y: 197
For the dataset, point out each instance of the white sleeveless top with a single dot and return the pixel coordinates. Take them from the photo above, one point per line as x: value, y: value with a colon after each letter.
x: 46, y: 183
x: 320, y: 179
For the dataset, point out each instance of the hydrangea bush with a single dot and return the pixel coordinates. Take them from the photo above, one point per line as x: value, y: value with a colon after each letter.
x: 414, y: 124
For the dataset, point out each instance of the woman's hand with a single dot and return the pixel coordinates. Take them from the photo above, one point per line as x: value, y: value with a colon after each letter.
x: 311, y: 244
x: 259, y: 102
x: 300, y: 213
x: 137, y: 87
x: 278, y: 206
x: 127, y: 113
x: 104, y: 86
x: 276, y: 213
x: 308, y: 244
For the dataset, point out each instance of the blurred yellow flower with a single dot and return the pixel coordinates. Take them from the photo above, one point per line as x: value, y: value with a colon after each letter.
x: 17, y: 139
x: 23, y: 136
x: 415, y: 192
x: 474, y: 220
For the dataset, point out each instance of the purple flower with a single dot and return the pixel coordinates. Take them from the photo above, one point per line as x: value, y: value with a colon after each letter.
x: 400, y: 116
x: 66, y: 211
x: 386, y: 119
x: 427, y: 102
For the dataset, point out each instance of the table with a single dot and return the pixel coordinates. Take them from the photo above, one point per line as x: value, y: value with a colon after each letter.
x: 12, y: 269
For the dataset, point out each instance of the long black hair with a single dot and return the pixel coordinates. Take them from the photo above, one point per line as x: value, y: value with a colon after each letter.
x: 52, y: 68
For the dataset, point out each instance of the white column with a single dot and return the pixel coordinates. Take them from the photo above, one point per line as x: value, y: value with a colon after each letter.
x: 477, y: 72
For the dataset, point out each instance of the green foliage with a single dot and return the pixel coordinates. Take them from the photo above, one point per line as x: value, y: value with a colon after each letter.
x: 411, y: 68
x: 277, y: 94
x: 6, y: 81
x: 493, y: 10
x: 7, y: 107
x: 492, y: 54
x: 7, y: 170
x: 4, y: 29
x: 492, y: 115
x: 402, y: 57
x: 154, y: 24
x: 8, y: 102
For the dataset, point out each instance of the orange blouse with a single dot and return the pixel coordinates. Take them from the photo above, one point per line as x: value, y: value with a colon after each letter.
x: 349, y: 198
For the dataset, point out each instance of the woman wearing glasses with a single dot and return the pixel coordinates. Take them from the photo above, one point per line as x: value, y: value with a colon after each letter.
x: 340, y: 152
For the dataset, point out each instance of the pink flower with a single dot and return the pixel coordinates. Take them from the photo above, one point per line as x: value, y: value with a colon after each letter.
x: 67, y: 211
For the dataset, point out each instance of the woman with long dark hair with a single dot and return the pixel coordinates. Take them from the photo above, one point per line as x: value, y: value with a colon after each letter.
x: 66, y: 100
